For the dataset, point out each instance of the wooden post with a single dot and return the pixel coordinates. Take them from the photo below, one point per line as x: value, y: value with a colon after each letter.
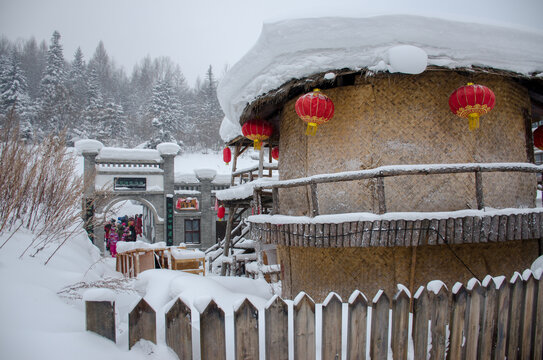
x: 479, y: 190
x: 212, y: 332
x: 400, y: 324
x: 489, y: 321
x: 100, y: 317
x: 538, y: 322
x: 141, y: 324
x: 246, y: 331
x: 277, y: 330
x: 234, y: 163
x: 473, y: 316
x: 420, y: 324
x: 228, y: 236
x: 179, y: 329
x: 357, y: 327
x: 515, y: 314
x: 504, y: 302
x: 381, y: 195
x: 439, y: 315
x: 314, y: 200
x: 528, y: 319
x: 457, y: 323
x: 304, y: 328
x: 261, y: 161
x: 379, y: 328
x: 275, y: 200
x: 331, y: 327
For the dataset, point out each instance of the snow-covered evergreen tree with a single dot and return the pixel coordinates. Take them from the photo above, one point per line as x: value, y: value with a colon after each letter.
x: 94, y: 110
x: 55, y: 109
x: 77, y: 81
x: 113, y: 130
x: 163, y: 111
x: 14, y: 93
x: 208, y: 115
x: 33, y: 61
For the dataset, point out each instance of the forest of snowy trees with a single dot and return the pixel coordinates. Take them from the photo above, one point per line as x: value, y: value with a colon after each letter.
x: 95, y: 99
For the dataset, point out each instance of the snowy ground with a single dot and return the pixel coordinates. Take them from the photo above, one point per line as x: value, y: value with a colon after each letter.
x: 42, y: 310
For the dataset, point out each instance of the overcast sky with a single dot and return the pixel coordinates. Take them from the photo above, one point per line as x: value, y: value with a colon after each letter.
x: 199, y: 33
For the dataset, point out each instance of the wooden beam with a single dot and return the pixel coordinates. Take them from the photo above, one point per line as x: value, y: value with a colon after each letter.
x: 228, y: 236
x: 314, y: 200
x: 479, y: 190
x: 261, y: 162
x: 381, y: 195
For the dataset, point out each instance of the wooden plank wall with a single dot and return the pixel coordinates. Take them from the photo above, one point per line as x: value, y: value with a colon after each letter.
x: 492, y: 320
x: 461, y: 230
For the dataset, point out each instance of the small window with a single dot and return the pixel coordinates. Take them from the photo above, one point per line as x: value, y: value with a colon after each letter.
x: 192, y: 231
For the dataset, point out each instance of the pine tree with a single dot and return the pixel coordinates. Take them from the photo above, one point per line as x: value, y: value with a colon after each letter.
x: 14, y: 93
x: 77, y: 81
x: 163, y: 111
x: 209, y: 113
x: 101, y: 63
x: 113, y: 129
x: 33, y: 61
x: 54, y: 107
x: 94, y: 110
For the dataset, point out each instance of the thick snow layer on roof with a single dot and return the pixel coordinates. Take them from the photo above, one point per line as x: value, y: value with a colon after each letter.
x: 229, y: 130
x: 298, y: 48
x: 110, y: 153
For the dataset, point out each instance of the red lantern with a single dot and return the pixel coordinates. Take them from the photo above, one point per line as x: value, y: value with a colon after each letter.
x: 227, y: 155
x: 275, y: 153
x: 538, y: 137
x: 221, y: 212
x: 315, y: 109
x: 257, y: 130
x: 471, y: 101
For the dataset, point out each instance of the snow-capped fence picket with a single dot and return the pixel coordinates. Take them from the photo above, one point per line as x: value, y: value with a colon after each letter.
x: 101, y: 318
x: 100, y: 312
x: 495, y: 319
x: 141, y: 323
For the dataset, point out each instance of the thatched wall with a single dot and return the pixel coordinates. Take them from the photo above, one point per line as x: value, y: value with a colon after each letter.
x: 318, y: 271
x: 405, y: 119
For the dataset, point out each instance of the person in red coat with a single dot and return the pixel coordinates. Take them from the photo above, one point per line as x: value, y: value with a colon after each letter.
x: 139, y: 225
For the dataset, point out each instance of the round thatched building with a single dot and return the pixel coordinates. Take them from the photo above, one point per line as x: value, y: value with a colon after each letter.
x: 395, y: 224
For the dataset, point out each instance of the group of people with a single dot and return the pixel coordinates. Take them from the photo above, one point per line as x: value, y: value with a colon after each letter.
x: 123, y: 229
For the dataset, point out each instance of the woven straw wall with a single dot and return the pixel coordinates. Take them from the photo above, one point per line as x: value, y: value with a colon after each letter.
x: 318, y: 271
x: 405, y: 119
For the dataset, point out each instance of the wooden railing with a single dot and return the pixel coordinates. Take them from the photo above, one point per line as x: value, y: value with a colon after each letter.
x: 494, y: 320
x: 389, y: 171
x: 251, y: 173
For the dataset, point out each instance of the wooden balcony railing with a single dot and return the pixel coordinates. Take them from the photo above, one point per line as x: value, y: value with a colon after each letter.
x: 388, y: 171
x: 251, y: 173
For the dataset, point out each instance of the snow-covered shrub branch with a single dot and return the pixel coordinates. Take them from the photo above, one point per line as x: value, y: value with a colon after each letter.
x: 39, y: 189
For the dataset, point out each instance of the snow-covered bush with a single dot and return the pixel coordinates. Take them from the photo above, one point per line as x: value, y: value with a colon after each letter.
x: 39, y: 189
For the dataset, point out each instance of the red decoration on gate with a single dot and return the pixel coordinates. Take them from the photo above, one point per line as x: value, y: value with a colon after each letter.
x: 538, y: 137
x: 257, y: 130
x: 471, y: 101
x: 221, y: 212
x: 227, y: 155
x: 275, y: 153
x: 314, y: 108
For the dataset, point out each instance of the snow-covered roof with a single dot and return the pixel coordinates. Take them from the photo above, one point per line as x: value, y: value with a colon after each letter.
x: 293, y: 49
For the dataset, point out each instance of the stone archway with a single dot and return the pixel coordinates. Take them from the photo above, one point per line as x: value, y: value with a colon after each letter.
x: 112, y: 175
